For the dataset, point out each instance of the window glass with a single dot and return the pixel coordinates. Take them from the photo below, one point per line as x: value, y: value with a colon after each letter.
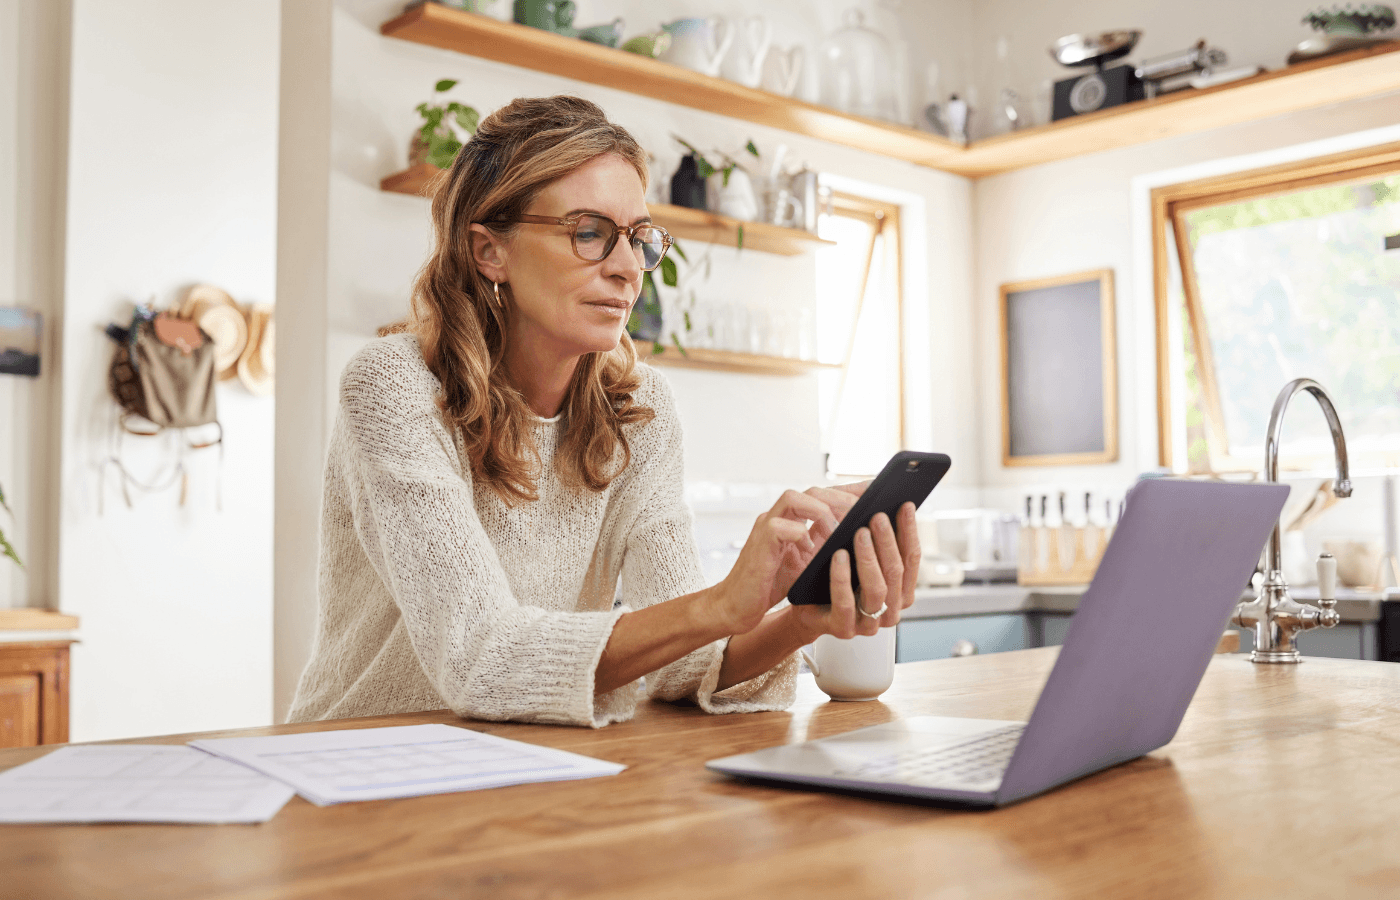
x: 858, y: 324
x: 1300, y: 285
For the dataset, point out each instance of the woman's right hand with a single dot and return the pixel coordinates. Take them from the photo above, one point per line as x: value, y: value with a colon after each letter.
x: 753, y: 585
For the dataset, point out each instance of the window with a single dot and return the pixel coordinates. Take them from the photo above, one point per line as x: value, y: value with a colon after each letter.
x: 1271, y: 276
x: 859, y: 327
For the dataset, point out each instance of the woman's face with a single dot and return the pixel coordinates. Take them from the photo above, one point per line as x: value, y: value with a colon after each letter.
x: 566, y: 306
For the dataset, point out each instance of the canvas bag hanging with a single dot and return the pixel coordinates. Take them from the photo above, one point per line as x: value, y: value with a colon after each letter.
x: 163, y: 371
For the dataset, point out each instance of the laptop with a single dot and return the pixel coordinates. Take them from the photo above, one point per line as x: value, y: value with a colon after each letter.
x: 1181, y: 556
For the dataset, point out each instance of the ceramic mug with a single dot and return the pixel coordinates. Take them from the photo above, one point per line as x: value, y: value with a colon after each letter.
x: 858, y: 668
x: 551, y: 15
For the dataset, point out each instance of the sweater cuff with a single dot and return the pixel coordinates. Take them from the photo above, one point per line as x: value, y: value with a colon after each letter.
x: 561, y: 680
x: 773, y: 690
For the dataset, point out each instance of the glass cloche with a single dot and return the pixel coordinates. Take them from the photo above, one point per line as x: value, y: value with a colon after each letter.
x: 855, y: 70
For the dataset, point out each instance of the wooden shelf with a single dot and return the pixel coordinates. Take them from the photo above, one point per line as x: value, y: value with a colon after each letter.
x: 28, y: 619
x: 726, y: 361
x: 420, y: 179
x: 694, y: 224
x: 700, y: 225
x: 1361, y: 73
x: 533, y: 48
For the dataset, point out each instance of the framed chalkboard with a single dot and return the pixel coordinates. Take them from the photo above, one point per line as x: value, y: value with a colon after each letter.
x: 1059, y: 371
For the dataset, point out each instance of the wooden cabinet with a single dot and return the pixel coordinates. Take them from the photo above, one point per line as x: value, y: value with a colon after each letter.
x: 33, y: 693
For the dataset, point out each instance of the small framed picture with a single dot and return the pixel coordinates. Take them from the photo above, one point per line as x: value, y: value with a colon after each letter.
x: 1059, y: 371
x: 20, y: 334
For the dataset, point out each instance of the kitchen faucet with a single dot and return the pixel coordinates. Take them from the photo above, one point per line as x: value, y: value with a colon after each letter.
x: 1275, y: 616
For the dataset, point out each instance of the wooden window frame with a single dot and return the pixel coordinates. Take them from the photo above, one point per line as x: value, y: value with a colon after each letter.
x: 1169, y: 205
x: 884, y: 221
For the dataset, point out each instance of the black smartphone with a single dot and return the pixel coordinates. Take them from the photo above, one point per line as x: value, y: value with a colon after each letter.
x: 909, y: 476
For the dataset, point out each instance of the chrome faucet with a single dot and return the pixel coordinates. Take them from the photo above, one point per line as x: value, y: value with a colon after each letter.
x: 1275, y: 616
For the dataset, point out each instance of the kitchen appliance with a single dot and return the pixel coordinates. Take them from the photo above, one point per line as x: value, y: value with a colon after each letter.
x: 1102, y: 88
x: 982, y: 541
x: 1174, y: 71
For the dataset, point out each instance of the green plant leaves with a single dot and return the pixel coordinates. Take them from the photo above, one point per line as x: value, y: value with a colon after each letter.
x: 676, y: 246
x: 703, y: 167
x: 437, y: 132
x: 751, y: 148
x: 669, y: 276
x: 442, y: 149
x: 3, y: 505
x: 9, y: 551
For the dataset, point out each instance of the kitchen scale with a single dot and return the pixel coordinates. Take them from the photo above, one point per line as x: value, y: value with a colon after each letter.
x: 1103, y: 87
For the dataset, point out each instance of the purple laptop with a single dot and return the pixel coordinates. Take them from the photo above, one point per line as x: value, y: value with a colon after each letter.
x: 1145, y: 630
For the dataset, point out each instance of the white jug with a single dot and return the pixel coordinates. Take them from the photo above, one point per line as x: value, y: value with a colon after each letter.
x: 744, y: 62
x: 735, y: 199
x: 781, y: 69
x: 698, y: 44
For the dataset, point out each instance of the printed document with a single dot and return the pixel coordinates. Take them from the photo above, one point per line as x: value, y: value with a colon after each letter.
x: 329, y: 767
x: 137, y: 783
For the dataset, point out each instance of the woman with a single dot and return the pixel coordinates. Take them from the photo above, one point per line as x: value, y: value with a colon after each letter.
x: 496, y: 471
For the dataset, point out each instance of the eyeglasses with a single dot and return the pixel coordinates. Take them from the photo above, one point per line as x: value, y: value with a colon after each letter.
x: 594, y: 237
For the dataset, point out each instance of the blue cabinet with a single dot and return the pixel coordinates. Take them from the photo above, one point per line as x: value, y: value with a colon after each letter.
x: 934, y: 638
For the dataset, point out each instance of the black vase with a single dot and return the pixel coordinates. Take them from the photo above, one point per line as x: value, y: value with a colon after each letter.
x: 687, y: 187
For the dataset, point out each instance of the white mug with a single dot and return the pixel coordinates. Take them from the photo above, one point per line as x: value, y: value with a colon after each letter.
x: 858, y: 668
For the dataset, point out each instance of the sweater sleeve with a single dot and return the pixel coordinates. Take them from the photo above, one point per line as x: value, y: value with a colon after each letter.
x: 662, y: 561
x: 487, y: 655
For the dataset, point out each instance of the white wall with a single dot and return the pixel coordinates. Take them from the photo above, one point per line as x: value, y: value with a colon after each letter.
x: 33, y: 103
x: 171, y: 181
x: 1081, y: 214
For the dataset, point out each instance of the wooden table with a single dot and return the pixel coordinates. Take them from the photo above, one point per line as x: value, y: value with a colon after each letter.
x: 1283, y: 781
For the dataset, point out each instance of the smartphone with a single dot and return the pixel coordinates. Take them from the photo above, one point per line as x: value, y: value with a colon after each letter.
x: 909, y: 476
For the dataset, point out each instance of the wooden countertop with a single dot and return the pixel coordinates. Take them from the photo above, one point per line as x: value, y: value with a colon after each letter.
x: 1282, y: 782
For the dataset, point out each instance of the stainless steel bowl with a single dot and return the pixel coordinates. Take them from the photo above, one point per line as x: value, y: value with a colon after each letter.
x: 1094, y: 49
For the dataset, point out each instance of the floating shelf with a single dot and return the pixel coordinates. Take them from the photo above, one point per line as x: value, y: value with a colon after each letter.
x: 727, y: 361
x: 417, y: 179
x: 699, y: 225
x: 694, y: 224
x: 1346, y: 76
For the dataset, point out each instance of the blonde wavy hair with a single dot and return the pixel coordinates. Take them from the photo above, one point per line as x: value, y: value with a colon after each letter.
x: 517, y: 151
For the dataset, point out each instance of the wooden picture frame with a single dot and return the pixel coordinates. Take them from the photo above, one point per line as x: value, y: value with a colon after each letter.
x: 1059, y: 372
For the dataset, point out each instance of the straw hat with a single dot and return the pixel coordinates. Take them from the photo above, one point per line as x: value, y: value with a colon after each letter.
x: 214, y: 311
x: 256, y: 367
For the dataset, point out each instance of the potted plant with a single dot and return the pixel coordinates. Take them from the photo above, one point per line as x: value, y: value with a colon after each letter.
x: 5, y: 547
x: 444, y: 124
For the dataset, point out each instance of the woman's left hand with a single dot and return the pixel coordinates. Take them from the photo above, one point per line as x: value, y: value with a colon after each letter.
x: 887, y: 558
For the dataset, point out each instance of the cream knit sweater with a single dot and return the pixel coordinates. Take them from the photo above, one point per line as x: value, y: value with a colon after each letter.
x: 435, y: 594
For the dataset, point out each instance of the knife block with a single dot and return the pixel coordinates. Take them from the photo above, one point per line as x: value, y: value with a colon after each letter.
x: 1054, y: 555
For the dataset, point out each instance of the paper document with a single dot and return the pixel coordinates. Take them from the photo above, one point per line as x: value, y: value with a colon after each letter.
x: 137, y: 783
x: 401, y: 761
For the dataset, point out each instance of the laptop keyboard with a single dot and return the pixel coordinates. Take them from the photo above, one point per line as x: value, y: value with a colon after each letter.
x: 978, y: 760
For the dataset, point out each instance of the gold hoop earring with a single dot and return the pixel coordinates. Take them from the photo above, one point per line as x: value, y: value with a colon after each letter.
x: 496, y: 288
